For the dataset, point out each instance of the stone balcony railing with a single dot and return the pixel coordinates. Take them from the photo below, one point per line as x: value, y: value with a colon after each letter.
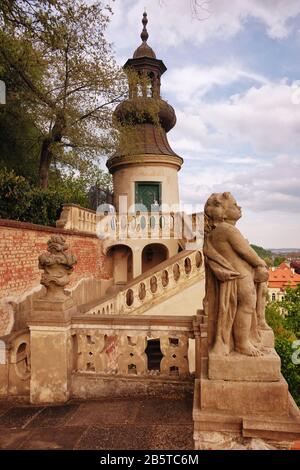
x: 77, y: 218
x: 155, y: 285
x: 140, y: 225
x: 118, y: 345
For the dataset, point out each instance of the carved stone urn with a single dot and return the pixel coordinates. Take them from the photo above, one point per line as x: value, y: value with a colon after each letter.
x: 58, y: 264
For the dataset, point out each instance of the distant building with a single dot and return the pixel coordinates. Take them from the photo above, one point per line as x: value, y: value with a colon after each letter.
x: 279, y: 279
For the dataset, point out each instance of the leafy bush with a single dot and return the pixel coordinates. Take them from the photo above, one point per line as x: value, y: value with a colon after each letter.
x: 291, y: 305
x: 284, y: 338
x: 21, y: 201
x: 290, y: 371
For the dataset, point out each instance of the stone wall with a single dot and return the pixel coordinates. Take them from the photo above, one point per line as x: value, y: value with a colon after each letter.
x: 20, y: 245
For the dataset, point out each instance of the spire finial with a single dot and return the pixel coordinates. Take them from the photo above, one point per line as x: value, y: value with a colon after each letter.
x: 144, y: 33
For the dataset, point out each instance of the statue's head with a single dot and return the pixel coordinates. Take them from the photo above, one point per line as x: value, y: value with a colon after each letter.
x: 221, y: 207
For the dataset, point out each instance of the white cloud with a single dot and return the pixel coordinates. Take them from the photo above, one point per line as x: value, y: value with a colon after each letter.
x: 198, y: 80
x: 269, y: 196
x: 260, y: 189
x: 263, y: 117
x: 172, y: 21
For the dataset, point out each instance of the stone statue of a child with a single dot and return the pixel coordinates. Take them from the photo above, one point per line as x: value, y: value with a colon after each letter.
x: 235, y: 281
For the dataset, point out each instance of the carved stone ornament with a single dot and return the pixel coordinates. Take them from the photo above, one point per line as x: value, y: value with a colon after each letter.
x: 57, y: 264
x: 235, y: 282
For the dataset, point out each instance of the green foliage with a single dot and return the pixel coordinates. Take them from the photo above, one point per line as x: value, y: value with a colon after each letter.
x: 14, y: 195
x: 264, y: 254
x: 290, y: 371
x: 20, y: 200
x: 60, y: 72
x: 291, y: 304
x: 277, y: 321
x: 278, y: 260
x: 284, y: 338
x: 19, y: 149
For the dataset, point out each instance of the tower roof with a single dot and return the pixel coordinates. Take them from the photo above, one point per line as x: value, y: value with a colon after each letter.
x: 144, y: 50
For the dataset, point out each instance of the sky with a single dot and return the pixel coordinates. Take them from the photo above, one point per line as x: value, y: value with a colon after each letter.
x: 234, y: 80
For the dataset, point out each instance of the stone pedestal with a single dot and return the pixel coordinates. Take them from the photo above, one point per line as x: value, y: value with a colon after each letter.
x: 238, y: 367
x: 50, y: 327
x: 254, y: 412
x: 267, y: 338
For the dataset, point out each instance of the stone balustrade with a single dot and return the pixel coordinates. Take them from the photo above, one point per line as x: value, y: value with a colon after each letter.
x: 172, y: 276
x: 77, y: 218
x: 119, y: 345
x: 141, y: 225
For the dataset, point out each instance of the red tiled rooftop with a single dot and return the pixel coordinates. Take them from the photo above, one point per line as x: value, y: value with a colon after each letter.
x: 283, y: 277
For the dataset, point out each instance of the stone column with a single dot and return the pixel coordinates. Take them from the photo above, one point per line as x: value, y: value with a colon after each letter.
x: 50, y: 328
x: 3, y: 369
x: 120, y: 265
x: 137, y: 262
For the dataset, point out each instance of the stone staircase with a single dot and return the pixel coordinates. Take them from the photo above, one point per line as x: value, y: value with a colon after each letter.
x: 168, y: 279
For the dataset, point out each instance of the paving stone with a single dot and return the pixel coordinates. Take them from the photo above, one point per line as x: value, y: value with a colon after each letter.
x: 18, y: 417
x: 116, y: 438
x: 172, y: 437
x: 129, y: 424
x: 53, y: 416
x: 165, y: 411
x: 53, y: 438
x: 4, y: 406
x: 12, y: 439
x: 105, y: 413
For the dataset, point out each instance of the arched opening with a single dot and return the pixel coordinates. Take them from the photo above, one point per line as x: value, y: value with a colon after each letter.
x: 122, y: 264
x: 152, y: 255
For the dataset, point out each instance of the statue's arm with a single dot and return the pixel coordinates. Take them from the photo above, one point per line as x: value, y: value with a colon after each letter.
x: 241, y: 246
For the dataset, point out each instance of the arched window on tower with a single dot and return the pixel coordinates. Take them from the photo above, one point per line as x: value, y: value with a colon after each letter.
x: 151, y: 86
x: 149, y: 90
x: 139, y: 89
x: 273, y: 297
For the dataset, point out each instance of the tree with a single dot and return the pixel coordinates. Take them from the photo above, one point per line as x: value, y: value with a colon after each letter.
x: 278, y: 260
x: 264, y: 254
x: 71, y: 98
x: 284, y: 338
x: 291, y: 304
x: 20, y: 138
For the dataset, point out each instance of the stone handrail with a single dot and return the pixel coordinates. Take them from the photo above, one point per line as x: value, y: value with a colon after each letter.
x: 118, y: 345
x: 77, y: 218
x: 158, y: 283
x: 141, y: 225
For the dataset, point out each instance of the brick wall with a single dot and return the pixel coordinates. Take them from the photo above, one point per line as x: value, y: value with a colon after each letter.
x: 22, y: 243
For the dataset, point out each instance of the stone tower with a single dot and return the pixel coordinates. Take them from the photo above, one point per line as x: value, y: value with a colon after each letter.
x: 145, y: 168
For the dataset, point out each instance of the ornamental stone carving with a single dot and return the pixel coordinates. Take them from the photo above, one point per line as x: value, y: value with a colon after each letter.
x: 235, y: 282
x: 57, y: 264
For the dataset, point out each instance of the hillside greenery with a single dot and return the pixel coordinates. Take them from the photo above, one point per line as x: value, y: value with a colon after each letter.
x: 284, y: 318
